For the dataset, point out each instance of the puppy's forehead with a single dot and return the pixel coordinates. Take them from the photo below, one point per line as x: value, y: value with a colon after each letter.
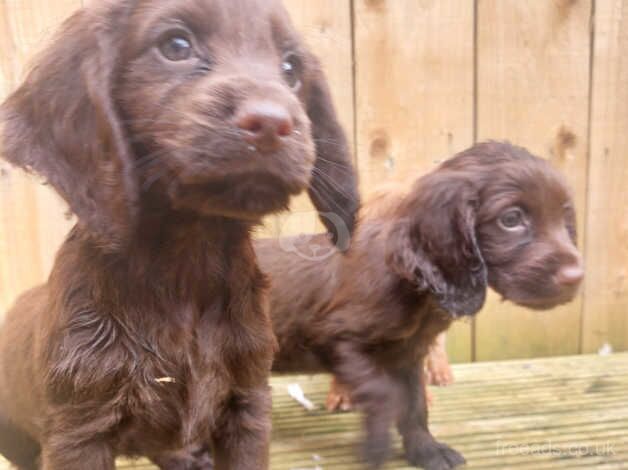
x: 235, y: 21
x: 532, y: 184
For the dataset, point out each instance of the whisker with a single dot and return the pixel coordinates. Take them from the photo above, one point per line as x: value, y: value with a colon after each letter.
x: 328, y: 199
x: 330, y: 182
x: 340, y: 167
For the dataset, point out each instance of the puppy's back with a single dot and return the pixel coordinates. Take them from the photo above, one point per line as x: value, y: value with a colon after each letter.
x: 19, y: 346
x: 303, y: 276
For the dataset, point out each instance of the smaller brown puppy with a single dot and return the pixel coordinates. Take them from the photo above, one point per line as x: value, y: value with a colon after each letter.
x: 493, y: 215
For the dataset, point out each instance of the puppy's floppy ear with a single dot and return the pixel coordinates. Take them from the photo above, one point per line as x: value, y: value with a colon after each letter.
x: 433, y: 243
x: 334, y: 187
x: 63, y: 125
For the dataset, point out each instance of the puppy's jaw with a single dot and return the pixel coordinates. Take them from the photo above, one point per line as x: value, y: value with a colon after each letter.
x: 530, y: 278
x: 241, y: 185
x: 542, y: 295
x: 546, y: 304
x: 247, y: 197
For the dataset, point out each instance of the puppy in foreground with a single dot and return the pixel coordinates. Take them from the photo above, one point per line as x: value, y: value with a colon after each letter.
x: 170, y: 128
x: 493, y: 215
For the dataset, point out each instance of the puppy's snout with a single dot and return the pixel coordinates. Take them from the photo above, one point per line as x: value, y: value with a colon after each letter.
x: 570, y: 275
x: 570, y: 272
x: 265, y: 124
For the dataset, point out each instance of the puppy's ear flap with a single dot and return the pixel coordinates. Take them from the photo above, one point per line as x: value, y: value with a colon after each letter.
x: 433, y: 244
x: 334, y: 187
x: 63, y: 125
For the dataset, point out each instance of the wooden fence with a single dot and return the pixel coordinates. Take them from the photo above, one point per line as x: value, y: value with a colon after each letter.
x: 416, y: 81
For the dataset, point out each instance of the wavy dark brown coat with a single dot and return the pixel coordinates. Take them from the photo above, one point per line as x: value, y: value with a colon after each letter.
x: 421, y: 257
x: 170, y: 128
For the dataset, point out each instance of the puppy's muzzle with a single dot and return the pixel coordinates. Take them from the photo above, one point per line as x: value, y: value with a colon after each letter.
x: 265, y: 124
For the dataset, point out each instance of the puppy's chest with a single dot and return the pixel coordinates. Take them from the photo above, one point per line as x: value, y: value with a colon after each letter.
x: 177, y: 386
x: 168, y: 378
x: 181, y: 361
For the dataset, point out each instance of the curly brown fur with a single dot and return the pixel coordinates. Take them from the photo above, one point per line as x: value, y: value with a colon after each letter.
x: 170, y: 128
x: 493, y: 215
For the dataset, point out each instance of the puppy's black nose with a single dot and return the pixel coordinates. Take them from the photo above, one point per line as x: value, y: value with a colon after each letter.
x: 265, y: 123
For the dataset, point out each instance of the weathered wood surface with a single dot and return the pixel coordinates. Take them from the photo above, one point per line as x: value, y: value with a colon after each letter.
x: 562, y: 413
x: 533, y: 61
x: 495, y: 414
x: 606, y: 290
x: 32, y: 217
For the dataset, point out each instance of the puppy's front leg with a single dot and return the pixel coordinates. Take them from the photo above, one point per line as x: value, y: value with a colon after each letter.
x: 420, y: 446
x: 375, y: 393
x: 243, y: 440
x: 61, y: 454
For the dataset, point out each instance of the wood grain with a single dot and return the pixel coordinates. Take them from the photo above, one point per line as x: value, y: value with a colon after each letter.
x: 549, y: 414
x: 533, y: 88
x: 414, y: 94
x: 606, y: 289
x: 32, y: 220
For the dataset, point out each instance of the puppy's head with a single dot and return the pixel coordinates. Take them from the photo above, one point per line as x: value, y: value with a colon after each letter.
x: 492, y: 215
x: 526, y: 228
x: 208, y: 106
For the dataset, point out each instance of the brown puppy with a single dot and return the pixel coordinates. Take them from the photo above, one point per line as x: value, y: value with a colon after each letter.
x: 170, y: 128
x: 493, y: 215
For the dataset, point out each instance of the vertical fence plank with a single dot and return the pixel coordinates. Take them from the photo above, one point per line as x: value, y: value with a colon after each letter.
x: 606, y: 291
x: 326, y: 28
x: 414, y: 94
x: 32, y: 221
x: 533, y: 81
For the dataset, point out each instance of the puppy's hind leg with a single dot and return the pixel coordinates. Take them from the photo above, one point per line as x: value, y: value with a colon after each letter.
x: 17, y: 446
x: 437, y: 367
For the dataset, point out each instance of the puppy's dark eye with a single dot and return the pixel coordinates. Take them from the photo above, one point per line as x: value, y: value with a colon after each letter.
x: 176, y: 47
x: 512, y: 219
x: 292, y: 68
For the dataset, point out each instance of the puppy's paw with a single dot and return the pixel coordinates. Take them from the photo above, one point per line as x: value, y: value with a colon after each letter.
x: 202, y: 461
x: 376, y: 451
x: 338, y: 398
x: 434, y: 456
x: 438, y: 369
x: 189, y: 459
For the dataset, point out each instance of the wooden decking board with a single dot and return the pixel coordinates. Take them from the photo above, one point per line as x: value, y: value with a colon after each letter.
x: 568, y: 403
